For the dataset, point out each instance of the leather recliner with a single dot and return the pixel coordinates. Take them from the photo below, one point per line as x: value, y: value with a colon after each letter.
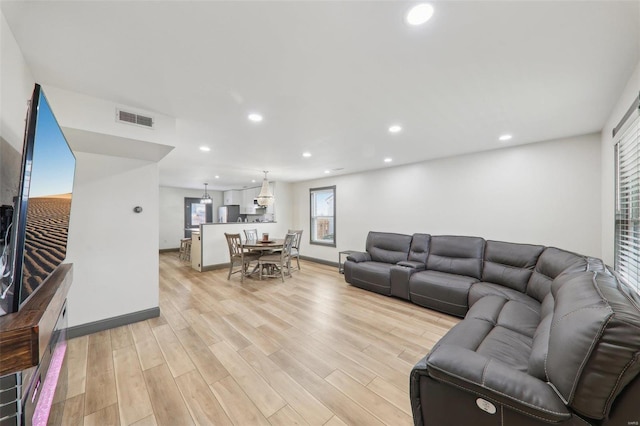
x: 373, y: 270
x: 548, y: 336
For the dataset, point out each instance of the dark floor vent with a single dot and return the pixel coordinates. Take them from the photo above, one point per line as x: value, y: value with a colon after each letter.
x: 133, y: 118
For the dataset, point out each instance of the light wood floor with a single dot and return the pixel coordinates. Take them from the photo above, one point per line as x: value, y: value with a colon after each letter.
x: 312, y: 350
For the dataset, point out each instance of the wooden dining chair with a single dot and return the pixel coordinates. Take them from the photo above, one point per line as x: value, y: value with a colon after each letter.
x: 277, y: 262
x: 251, y: 234
x: 237, y: 256
x: 295, y: 250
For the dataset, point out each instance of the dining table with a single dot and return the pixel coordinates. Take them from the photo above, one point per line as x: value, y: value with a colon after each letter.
x: 275, y: 244
x: 263, y: 246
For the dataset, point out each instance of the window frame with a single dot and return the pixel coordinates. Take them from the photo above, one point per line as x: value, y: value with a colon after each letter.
x: 311, y: 217
x: 627, y: 204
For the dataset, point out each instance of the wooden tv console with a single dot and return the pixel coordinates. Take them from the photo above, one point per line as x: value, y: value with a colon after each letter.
x: 28, y: 340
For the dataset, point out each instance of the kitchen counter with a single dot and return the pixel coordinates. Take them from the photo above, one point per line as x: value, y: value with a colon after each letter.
x: 237, y: 223
x: 214, y: 252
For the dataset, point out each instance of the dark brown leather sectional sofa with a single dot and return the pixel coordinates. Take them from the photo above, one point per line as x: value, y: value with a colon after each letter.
x: 548, y: 336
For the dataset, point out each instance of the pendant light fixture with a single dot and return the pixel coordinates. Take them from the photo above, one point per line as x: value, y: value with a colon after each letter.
x: 206, y: 198
x: 265, y: 198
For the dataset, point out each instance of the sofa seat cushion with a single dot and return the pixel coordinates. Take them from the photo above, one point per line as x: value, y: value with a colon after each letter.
x: 513, y: 325
x: 508, y: 346
x: 372, y: 276
x: 488, y: 330
x: 441, y: 291
x: 482, y: 289
x: 488, y: 354
x: 506, y: 313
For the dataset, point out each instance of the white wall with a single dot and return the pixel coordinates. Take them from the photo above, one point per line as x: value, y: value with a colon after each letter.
x: 284, y: 205
x: 113, y: 249
x: 172, y: 213
x: 544, y: 193
x: 608, y: 169
x: 99, y: 116
x: 16, y: 86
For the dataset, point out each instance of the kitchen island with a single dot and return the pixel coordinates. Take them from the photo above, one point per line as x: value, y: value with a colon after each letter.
x: 209, y: 248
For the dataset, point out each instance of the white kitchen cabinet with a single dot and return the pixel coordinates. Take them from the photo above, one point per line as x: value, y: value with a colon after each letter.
x: 246, y: 205
x: 244, y: 198
x: 255, y: 192
x: 232, y: 197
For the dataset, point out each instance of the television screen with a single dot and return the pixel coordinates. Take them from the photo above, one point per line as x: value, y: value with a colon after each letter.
x: 42, y: 211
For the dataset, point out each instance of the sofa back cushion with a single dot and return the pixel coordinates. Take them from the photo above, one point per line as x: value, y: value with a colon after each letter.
x: 456, y: 255
x: 594, y: 340
x: 540, y: 343
x: 551, y: 263
x: 388, y: 247
x: 419, y: 248
x: 510, y: 264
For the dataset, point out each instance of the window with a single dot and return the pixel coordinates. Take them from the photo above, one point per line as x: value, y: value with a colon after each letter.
x: 627, y: 226
x: 323, y: 216
x: 198, y: 214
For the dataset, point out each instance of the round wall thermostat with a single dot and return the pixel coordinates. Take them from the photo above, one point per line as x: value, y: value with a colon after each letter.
x: 137, y: 209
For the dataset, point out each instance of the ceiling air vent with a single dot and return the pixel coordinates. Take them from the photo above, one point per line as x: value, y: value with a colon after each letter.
x: 133, y: 118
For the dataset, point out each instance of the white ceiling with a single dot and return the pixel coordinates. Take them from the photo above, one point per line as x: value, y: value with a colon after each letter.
x: 331, y: 76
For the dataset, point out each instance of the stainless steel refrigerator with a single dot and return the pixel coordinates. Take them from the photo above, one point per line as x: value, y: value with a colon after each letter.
x: 228, y: 214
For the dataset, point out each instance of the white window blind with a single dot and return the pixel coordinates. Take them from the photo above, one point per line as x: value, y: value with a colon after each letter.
x: 627, y: 232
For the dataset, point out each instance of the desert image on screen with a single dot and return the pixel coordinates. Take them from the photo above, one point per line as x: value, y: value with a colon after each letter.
x: 48, y: 184
x: 46, y: 241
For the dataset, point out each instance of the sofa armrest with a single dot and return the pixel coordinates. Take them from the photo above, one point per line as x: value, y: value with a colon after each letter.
x: 401, y: 274
x: 491, y: 380
x: 359, y: 257
x: 418, y: 266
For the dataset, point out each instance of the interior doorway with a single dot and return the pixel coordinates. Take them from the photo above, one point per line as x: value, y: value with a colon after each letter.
x: 195, y: 213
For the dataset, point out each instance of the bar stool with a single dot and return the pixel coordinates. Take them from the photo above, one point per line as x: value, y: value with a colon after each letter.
x: 185, y: 249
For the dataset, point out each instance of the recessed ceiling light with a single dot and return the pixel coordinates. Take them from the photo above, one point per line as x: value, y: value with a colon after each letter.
x: 395, y: 129
x: 419, y: 14
x: 505, y: 138
x: 253, y: 181
x: 205, y: 149
x: 255, y: 117
x: 217, y: 177
x: 306, y: 154
x: 388, y: 160
x: 327, y: 171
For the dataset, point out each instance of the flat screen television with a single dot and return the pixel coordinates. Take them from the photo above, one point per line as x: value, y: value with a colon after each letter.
x: 38, y: 243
